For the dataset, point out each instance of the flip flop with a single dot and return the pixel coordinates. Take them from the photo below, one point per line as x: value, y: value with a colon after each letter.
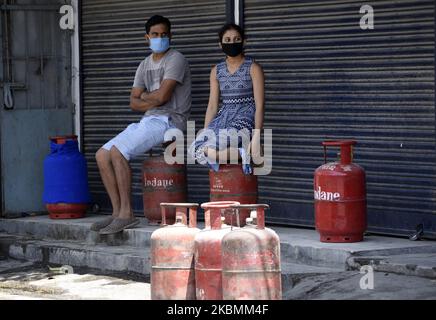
x: 119, y: 225
x: 96, y: 226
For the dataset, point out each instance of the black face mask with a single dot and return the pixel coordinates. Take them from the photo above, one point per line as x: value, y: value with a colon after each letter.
x: 232, y: 49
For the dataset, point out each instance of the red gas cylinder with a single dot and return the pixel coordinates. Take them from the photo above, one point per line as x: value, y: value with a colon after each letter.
x: 162, y: 182
x: 172, y: 255
x: 231, y: 184
x: 208, y: 276
x: 340, y: 197
x: 251, y: 259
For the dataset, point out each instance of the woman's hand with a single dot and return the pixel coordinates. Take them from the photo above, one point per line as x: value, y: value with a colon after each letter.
x: 255, y: 148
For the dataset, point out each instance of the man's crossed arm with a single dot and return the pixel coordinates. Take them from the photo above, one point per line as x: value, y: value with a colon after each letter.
x: 140, y: 100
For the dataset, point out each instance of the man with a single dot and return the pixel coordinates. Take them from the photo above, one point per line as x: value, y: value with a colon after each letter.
x: 161, y: 89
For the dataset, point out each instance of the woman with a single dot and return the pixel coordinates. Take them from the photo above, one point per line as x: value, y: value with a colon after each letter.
x: 238, y: 82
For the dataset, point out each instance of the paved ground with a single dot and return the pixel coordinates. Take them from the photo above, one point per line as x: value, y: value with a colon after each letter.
x: 346, y: 286
x: 21, y: 281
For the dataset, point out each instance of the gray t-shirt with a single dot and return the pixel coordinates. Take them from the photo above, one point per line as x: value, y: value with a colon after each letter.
x: 150, y: 75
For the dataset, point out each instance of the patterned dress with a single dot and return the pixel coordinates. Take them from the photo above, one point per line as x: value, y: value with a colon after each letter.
x: 236, y: 112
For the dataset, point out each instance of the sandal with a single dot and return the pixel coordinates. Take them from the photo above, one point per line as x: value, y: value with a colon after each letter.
x: 96, y: 226
x: 119, y: 225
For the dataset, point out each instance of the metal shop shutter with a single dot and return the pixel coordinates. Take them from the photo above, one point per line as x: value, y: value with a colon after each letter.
x: 112, y: 48
x: 328, y: 79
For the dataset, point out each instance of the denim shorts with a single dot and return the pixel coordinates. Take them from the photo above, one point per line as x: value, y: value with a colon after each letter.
x: 140, y: 137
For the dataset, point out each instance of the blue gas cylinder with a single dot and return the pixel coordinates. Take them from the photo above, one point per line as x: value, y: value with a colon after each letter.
x: 66, y: 191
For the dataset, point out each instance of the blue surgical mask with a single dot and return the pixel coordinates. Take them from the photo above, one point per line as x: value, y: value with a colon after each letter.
x: 159, y: 45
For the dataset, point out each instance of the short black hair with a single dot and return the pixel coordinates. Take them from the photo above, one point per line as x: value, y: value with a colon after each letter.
x: 230, y: 26
x: 157, y: 19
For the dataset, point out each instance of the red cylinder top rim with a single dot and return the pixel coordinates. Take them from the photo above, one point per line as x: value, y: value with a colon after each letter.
x: 63, y: 139
x: 229, y: 165
x: 250, y: 206
x: 339, y: 142
x: 66, y: 137
x: 218, y: 204
x: 179, y: 204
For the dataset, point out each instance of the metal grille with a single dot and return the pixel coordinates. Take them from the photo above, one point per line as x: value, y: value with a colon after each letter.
x: 328, y: 79
x: 113, y: 45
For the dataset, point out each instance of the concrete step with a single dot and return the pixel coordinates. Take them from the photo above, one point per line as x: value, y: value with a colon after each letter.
x: 298, y: 245
x: 42, y: 227
x: 126, y: 259
x: 303, y: 246
x: 103, y: 257
x: 9, y: 265
x: 297, y: 268
x: 421, y: 264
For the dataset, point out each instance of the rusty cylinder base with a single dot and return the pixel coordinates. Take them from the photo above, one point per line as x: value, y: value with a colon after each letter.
x: 341, y: 239
x: 66, y: 210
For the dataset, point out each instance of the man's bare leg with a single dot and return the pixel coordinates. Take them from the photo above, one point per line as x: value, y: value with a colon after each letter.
x: 123, y: 174
x: 107, y: 174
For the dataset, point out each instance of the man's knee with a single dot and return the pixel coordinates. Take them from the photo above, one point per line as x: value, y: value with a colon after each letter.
x: 116, y: 155
x: 102, y: 156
